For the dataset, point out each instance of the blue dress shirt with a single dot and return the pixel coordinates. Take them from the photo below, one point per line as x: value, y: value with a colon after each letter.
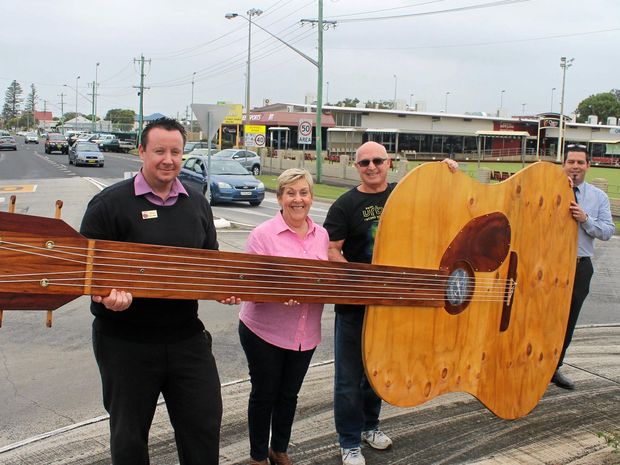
x: 599, y: 224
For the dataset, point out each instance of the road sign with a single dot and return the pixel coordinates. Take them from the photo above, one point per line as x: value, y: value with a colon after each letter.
x: 254, y: 135
x: 304, y: 132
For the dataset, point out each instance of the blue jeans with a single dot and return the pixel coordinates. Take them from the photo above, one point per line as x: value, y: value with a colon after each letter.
x: 356, y: 406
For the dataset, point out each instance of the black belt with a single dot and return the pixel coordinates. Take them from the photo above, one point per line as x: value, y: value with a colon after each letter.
x: 581, y: 259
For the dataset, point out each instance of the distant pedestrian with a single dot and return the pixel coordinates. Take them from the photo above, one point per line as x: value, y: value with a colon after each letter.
x: 592, y: 213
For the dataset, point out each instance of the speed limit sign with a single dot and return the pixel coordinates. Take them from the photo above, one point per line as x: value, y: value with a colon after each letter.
x: 304, y: 132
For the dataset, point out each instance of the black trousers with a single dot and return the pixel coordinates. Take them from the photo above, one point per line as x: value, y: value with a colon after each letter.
x: 581, y: 288
x: 133, y: 374
x: 276, y: 375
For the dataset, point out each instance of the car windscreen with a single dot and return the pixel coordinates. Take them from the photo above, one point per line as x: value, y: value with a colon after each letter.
x: 56, y: 137
x: 228, y: 167
x: 226, y: 153
x: 87, y: 147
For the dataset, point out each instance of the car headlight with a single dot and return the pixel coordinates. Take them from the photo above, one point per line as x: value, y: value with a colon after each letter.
x: 224, y: 185
x: 260, y: 186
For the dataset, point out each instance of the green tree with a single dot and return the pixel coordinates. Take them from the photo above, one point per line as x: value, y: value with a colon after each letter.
x: 602, y: 105
x: 120, y: 118
x: 382, y: 105
x: 31, y: 106
x: 12, y: 101
x: 616, y: 93
x: 348, y: 102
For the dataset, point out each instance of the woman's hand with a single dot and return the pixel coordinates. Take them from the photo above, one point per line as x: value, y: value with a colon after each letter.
x: 232, y: 300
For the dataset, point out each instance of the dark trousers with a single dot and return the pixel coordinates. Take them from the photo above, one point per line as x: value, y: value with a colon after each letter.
x: 133, y: 374
x: 581, y: 288
x: 276, y: 375
x: 356, y: 406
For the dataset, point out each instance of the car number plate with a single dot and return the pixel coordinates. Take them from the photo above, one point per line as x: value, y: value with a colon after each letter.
x: 92, y: 161
x: 246, y: 193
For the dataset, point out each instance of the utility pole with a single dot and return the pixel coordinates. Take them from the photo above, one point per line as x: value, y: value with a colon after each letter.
x: 141, y: 94
x: 321, y: 25
x: 62, y: 113
x: 92, y: 117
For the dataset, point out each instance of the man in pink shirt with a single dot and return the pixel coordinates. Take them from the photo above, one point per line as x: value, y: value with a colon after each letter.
x: 279, y: 339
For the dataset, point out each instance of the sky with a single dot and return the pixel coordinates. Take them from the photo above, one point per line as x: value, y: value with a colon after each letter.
x: 468, y: 55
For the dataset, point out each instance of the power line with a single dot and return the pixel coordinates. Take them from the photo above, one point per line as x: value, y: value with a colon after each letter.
x: 477, y: 44
x: 436, y: 12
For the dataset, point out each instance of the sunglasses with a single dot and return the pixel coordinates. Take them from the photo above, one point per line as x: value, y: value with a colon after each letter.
x: 366, y: 163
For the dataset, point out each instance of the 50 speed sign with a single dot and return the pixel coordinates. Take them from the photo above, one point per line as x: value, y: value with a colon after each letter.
x: 304, y: 132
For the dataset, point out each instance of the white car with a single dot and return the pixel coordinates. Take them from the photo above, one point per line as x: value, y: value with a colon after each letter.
x: 31, y: 137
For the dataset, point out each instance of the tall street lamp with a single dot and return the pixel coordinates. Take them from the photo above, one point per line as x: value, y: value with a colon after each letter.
x: 76, y: 102
x: 523, y: 108
x: 501, y: 102
x: 192, y: 112
x: 446, y: 105
x: 250, y: 14
x: 327, y: 92
x: 395, y: 88
x: 410, y: 101
x: 552, y: 90
x: 564, y: 63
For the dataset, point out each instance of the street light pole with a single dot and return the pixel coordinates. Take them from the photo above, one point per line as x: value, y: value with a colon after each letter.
x: 192, y: 112
x: 446, y: 106
x: 252, y: 12
x: 523, y: 108
x: 552, y: 90
x: 395, y: 87
x: 76, y: 102
x: 410, y: 101
x: 327, y: 92
x: 564, y: 63
x: 501, y: 102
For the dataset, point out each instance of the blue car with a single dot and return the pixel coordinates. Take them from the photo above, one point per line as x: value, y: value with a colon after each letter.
x: 230, y: 182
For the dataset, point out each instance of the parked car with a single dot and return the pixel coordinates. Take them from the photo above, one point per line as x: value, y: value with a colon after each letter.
x: 189, y: 146
x: 197, y: 152
x: 248, y: 159
x: 56, y: 142
x: 8, y: 143
x: 31, y: 137
x: 230, y: 182
x: 85, y: 153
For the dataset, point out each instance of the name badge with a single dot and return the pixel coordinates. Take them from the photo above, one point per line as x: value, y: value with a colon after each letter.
x: 149, y: 214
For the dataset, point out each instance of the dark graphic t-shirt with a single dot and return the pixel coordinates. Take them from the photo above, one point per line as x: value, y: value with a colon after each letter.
x: 354, y: 217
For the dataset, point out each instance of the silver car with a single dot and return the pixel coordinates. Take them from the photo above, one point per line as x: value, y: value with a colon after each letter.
x: 248, y: 159
x: 8, y: 143
x: 85, y: 153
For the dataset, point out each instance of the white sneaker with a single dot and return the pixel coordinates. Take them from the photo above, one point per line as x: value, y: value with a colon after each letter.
x: 376, y: 439
x: 352, y: 456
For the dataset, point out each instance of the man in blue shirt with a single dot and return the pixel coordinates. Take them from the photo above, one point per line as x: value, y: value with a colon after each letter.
x: 593, y: 215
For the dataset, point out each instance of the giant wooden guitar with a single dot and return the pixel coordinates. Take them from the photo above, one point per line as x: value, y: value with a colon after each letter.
x: 469, y: 288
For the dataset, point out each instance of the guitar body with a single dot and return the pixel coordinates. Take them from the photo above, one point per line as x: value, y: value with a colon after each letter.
x: 502, y: 346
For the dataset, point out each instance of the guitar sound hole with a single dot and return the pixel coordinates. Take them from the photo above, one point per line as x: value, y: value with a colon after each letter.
x: 459, y: 287
x: 456, y: 292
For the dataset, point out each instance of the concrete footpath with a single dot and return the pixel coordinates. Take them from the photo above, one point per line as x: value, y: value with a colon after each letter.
x: 453, y: 429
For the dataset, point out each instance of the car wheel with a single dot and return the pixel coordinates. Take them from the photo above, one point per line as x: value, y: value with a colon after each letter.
x: 100, y: 165
x: 255, y: 203
x: 209, y: 196
x: 256, y: 170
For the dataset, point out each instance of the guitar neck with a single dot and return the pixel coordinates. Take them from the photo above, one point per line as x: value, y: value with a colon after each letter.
x: 73, y: 266
x: 178, y: 273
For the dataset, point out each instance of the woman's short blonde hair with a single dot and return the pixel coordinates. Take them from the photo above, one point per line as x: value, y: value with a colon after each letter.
x: 292, y: 175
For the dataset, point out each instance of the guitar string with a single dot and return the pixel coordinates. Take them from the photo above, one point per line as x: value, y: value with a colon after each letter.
x: 439, y: 296
x: 323, y: 269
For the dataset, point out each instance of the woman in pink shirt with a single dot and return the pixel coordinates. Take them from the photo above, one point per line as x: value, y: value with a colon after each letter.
x: 279, y: 339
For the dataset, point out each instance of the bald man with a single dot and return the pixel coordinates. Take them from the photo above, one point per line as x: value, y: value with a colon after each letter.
x: 352, y: 222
